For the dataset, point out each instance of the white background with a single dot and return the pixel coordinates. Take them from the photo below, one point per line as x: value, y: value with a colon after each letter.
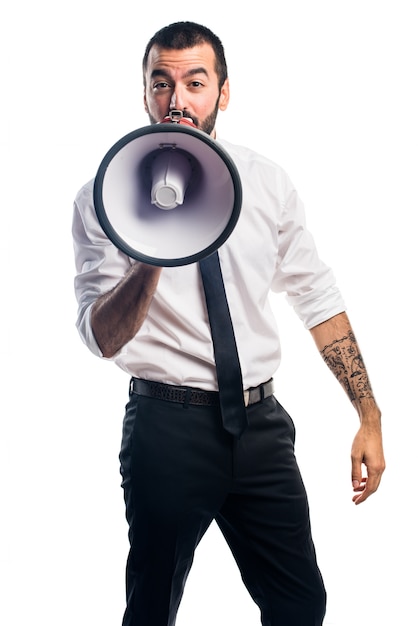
x: 329, y: 90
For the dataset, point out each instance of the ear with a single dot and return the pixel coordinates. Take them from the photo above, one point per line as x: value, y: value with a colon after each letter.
x: 145, y: 103
x: 224, y: 96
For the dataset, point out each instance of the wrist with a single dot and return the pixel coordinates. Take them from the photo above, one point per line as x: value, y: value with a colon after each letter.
x: 368, y: 411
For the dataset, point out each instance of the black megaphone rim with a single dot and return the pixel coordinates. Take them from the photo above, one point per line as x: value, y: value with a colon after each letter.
x: 119, y: 242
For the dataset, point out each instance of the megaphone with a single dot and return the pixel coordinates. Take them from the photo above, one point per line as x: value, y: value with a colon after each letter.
x: 167, y: 194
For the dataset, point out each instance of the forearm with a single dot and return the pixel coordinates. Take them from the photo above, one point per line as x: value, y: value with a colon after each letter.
x: 336, y: 342
x: 117, y: 315
x: 338, y: 346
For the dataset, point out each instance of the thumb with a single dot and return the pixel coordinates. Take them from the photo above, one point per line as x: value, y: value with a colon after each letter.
x: 356, y: 474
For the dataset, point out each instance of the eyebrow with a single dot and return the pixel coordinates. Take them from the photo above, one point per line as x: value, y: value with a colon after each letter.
x: 192, y: 72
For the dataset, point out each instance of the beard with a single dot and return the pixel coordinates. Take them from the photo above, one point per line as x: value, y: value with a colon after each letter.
x: 207, y: 125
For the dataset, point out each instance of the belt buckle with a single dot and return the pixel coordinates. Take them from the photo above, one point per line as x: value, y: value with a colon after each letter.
x: 246, y: 397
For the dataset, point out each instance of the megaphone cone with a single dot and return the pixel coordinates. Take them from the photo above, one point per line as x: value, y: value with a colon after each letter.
x: 167, y: 194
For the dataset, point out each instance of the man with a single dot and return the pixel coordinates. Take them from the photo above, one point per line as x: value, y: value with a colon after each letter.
x: 181, y: 467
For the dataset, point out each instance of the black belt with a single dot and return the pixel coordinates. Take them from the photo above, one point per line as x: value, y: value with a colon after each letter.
x: 192, y: 395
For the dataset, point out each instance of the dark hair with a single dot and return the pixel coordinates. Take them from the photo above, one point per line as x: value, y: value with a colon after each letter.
x: 182, y: 35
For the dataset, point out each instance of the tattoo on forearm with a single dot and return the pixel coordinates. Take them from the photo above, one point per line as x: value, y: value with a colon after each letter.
x: 345, y: 361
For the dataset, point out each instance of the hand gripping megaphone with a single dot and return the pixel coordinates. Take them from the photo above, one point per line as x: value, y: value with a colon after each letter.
x: 167, y: 194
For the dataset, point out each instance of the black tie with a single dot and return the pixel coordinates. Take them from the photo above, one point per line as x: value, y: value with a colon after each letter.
x: 228, y: 368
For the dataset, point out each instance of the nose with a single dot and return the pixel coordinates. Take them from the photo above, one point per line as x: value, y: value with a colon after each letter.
x: 173, y: 101
x: 177, y: 100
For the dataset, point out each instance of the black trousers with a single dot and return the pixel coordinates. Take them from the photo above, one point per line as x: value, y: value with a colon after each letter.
x: 180, y: 472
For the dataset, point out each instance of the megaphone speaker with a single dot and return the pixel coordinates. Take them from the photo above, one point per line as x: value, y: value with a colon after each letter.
x: 167, y: 194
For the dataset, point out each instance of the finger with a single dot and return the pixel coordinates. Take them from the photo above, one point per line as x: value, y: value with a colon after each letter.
x: 360, y: 486
x: 370, y: 486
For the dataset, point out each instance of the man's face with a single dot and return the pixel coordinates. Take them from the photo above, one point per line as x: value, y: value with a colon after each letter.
x: 185, y: 80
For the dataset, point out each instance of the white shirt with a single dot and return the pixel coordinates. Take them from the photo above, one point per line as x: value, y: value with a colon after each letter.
x: 269, y: 249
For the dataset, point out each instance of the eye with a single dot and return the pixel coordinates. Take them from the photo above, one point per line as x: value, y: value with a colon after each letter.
x: 196, y: 84
x: 161, y: 85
